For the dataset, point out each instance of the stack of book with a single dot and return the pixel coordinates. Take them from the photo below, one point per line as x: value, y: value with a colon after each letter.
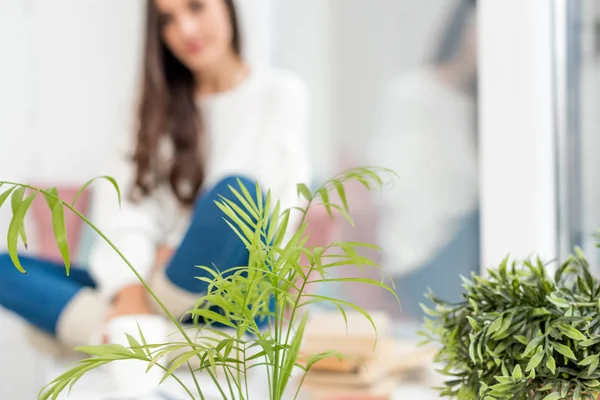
x: 372, y: 364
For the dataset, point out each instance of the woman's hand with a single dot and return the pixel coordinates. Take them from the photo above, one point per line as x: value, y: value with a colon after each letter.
x: 133, y: 300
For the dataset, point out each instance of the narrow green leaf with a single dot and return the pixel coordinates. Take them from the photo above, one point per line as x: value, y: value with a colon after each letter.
x: 517, y: 373
x: 248, y: 233
x: 342, y: 194
x: 259, y: 196
x: 564, y: 350
x: 16, y: 200
x: 343, y: 213
x: 472, y: 351
x: 14, y: 229
x: 589, y: 360
x: 5, y: 195
x: 106, y: 350
x: 136, y: 347
x: 494, y: 326
x: 51, y: 196
x: 246, y: 199
x: 535, y: 342
x: 181, y: 359
x: 290, y: 359
x: 304, y: 191
x: 506, y: 323
x: 593, y: 367
x: 559, y: 302
x: 577, y: 392
x: 143, y: 339
x: 60, y: 233
x: 282, y: 229
x: 553, y: 396
x: 471, y: 320
x: 111, y: 180
x: 571, y: 332
x: 540, y: 312
x: 590, y: 342
x: 325, y: 197
x: 522, y: 339
x: 241, y: 214
x: 275, y: 223
x: 535, y: 361
x: 212, y: 316
x: 551, y: 364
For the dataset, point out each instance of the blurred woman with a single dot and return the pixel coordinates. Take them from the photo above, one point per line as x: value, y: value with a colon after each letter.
x: 429, y: 225
x: 206, y: 119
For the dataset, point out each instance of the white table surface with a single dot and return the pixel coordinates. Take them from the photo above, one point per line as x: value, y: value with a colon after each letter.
x: 97, y: 386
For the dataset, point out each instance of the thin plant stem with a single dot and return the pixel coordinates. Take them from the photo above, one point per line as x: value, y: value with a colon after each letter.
x: 179, y: 381
x: 238, y: 383
x: 228, y: 380
x: 246, y: 374
x: 277, y: 355
x: 300, y: 384
x: 239, y: 374
x: 269, y: 379
x: 215, y: 380
x: 200, y: 393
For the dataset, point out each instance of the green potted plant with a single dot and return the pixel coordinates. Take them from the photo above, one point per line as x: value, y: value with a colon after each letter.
x: 521, y: 333
x: 244, y: 293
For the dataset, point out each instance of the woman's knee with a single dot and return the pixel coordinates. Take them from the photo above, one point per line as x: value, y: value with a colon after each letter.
x: 224, y: 189
x: 236, y: 182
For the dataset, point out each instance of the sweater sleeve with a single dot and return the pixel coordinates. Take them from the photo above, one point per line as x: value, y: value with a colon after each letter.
x: 134, y: 228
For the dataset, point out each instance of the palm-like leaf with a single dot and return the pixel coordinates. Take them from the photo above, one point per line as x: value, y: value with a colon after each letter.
x: 243, y: 295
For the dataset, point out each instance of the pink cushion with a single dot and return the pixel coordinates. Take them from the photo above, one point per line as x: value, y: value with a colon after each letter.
x: 42, y: 216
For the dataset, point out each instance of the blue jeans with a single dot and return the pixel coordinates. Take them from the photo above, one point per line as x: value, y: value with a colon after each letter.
x: 41, y: 296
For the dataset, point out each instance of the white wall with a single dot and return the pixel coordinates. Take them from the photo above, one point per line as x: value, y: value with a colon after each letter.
x: 302, y: 42
x: 17, y: 363
x: 374, y: 43
x: 344, y: 50
x: 84, y: 73
x: 518, y: 192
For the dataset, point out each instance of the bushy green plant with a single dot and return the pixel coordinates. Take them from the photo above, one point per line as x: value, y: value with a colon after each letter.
x: 521, y: 333
x: 243, y: 294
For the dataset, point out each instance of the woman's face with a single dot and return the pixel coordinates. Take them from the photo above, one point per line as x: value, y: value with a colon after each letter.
x: 198, y: 32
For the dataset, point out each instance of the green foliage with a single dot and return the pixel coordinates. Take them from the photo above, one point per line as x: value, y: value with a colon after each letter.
x: 521, y: 333
x: 276, y: 269
x: 20, y: 206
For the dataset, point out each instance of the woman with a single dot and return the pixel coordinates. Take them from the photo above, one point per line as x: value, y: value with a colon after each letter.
x: 206, y: 119
x: 429, y: 222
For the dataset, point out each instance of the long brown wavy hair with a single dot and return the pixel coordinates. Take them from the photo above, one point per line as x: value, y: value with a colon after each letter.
x: 168, y: 108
